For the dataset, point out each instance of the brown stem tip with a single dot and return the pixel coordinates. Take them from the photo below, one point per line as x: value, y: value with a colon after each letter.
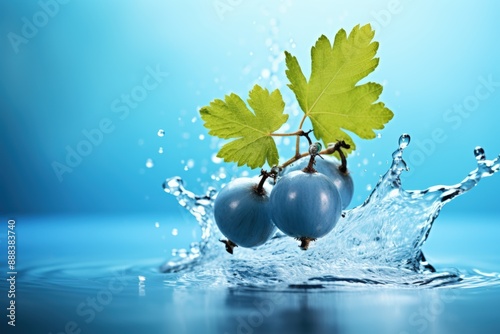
x: 229, y: 245
x: 304, y: 242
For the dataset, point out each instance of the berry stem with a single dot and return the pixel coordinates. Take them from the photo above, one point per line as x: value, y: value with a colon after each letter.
x: 310, y: 165
x: 229, y: 245
x: 330, y: 150
x: 314, y: 151
x: 304, y: 242
x: 297, y: 142
x: 264, y: 175
x: 338, y: 148
x: 296, y: 133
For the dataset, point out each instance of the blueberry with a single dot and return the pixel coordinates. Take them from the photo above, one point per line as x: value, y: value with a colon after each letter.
x: 306, y: 206
x: 242, y: 213
x: 330, y: 168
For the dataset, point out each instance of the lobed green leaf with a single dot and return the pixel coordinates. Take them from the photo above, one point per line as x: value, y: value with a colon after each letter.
x: 252, y: 143
x: 332, y: 98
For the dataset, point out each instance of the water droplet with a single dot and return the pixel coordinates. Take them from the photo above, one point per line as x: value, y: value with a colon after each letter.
x: 193, y: 120
x: 149, y: 163
x: 141, y: 278
x: 161, y: 133
x: 479, y: 153
x: 404, y: 141
x: 160, y: 150
x: 157, y: 225
x: 216, y: 159
x: 175, y: 232
x: 201, y: 137
x: 265, y: 73
x: 379, y: 135
x: 190, y: 163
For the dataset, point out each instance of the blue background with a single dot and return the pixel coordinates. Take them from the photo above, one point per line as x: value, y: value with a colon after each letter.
x: 67, y: 76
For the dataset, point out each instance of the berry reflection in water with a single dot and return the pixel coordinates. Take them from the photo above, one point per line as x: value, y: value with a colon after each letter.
x: 378, y: 242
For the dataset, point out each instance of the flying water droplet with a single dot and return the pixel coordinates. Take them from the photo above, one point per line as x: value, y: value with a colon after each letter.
x: 215, y: 159
x: 265, y: 73
x: 479, y: 153
x: 161, y: 133
x: 404, y: 141
x: 150, y: 163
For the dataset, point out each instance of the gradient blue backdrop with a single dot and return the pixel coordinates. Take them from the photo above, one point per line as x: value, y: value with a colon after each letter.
x: 69, y: 76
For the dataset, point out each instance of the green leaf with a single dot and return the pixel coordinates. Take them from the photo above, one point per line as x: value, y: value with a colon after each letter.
x: 231, y: 119
x: 331, y: 98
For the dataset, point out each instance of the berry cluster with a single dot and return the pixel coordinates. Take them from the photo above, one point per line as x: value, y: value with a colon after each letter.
x: 304, y: 200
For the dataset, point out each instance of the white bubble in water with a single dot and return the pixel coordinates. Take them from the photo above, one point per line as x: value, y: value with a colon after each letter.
x: 190, y: 163
x: 368, y: 187
x: 247, y: 69
x: 160, y: 150
x: 201, y: 137
x: 265, y: 73
x: 157, y: 225
x: 149, y: 163
x: 161, y: 133
x: 193, y: 119
x: 216, y: 159
x: 175, y: 232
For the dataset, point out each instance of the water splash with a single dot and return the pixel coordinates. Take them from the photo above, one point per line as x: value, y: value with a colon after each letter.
x: 378, y: 242
x: 201, y: 207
